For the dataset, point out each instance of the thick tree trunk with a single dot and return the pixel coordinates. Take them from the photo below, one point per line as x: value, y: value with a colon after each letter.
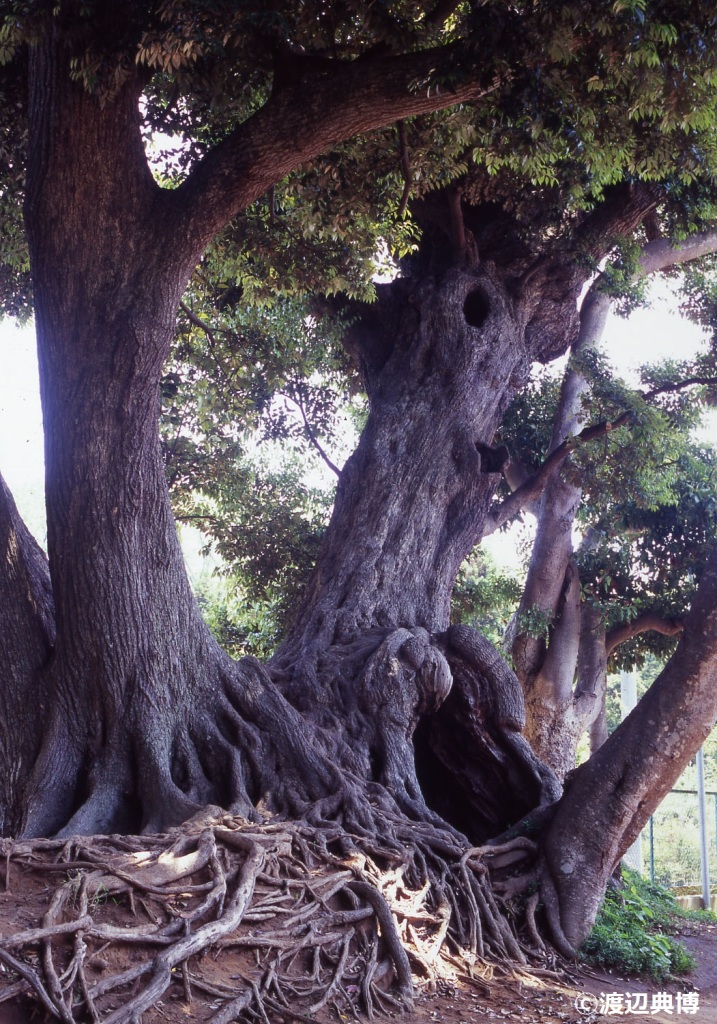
x: 27, y: 633
x: 442, y: 356
x: 104, y: 312
x: 145, y: 718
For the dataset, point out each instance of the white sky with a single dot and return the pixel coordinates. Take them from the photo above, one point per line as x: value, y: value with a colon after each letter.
x: 648, y: 336
x: 21, y: 457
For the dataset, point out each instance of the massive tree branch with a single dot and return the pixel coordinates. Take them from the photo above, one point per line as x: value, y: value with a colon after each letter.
x: 647, y: 621
x: 321, y: 110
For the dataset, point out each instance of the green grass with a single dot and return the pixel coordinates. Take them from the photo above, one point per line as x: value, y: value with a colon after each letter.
x: 631, y: 931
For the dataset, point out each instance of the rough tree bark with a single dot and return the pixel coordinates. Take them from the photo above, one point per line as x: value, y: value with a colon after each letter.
x: 27, y: 629
x: 442, y: 354
x: 144, y: 719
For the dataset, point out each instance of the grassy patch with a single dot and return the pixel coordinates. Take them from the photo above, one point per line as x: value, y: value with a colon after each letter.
x: 630, y: 933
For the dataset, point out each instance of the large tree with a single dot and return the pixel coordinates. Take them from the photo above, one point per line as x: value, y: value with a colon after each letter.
x: 126, y: 713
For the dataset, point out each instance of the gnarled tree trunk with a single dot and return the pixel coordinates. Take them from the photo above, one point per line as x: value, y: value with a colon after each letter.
x: 442, y: 355
x: 144, y: 719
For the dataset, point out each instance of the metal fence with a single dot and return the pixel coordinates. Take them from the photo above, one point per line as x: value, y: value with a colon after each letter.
x: 671, y: 842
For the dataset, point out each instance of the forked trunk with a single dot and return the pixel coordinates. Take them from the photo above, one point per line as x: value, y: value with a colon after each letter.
x: 140, y: 726
x: 611, y: 796
x: 559, y: 647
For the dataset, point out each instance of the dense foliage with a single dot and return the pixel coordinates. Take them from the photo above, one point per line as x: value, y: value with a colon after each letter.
x: 648, y: 510
x: 631, y: 933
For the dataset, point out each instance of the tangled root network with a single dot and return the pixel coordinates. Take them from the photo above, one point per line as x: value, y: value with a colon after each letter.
x: 314, y: 917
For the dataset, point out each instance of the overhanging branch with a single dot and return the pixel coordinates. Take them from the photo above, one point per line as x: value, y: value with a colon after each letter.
x: 295, y: 125
x: 661, y: 253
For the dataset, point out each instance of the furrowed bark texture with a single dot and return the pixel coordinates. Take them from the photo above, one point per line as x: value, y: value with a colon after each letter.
x: 442, y: 354
x: 27, y: 632
x: 146, y: 719
x: 143, y: 719
x: 104, y: 311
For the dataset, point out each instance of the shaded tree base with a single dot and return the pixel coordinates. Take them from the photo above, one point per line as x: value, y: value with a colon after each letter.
x: 323, y: 920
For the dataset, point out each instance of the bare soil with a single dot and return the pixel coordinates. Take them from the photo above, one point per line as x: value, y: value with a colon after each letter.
x: 568, y: 994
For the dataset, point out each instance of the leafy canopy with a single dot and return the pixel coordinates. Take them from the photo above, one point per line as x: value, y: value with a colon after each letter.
x: 578, y: 97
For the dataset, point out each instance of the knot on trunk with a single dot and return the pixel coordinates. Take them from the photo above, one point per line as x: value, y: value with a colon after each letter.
x: 406, y: 677
x: 500, y: 693
x: 492, y: 460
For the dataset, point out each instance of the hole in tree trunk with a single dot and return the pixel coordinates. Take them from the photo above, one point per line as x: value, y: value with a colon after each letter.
x: 476, y: 308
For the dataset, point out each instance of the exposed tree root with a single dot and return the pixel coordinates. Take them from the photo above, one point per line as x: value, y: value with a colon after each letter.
x: 330, y: 919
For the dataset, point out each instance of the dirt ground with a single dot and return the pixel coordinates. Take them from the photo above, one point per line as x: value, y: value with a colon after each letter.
x: 574, y: 996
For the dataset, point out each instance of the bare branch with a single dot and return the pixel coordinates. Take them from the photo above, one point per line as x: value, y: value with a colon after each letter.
x: 533, y: 488
x: 311, y: 435
x: 679, y: 385
x: 458, y: 226
x: 661, y: 253
x: 197, y: 321
x: 642, y: 624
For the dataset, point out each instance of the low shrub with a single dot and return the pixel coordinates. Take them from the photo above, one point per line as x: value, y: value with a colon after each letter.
x: 630, y: 931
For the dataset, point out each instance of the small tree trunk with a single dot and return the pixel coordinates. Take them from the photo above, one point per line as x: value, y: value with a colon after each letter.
x: 611, y: 796
x: 551, y: 653
x: 592, y: 673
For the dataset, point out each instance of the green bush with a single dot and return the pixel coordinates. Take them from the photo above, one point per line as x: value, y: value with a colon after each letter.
x: 628, y: 933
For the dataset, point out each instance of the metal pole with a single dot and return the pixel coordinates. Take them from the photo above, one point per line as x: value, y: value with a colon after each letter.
x: 628, y: 700
x: 704, y: 864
